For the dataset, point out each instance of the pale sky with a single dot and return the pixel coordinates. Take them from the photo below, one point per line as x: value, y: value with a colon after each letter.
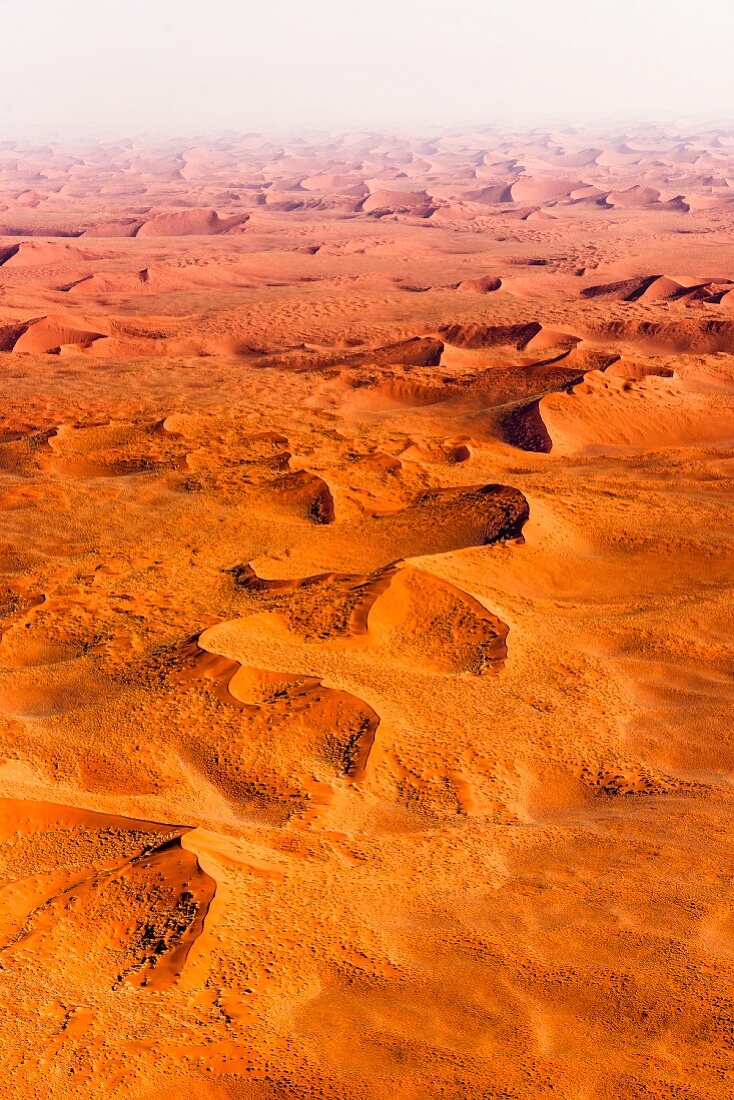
x: 98, y: 68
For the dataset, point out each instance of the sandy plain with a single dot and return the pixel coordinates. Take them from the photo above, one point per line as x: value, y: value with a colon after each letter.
x: 365, y: 598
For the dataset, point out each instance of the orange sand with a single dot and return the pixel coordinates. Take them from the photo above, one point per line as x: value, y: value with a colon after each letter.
x: 365, y: 614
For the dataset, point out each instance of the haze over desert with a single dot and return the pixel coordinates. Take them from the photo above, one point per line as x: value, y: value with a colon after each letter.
x: 365, y: 615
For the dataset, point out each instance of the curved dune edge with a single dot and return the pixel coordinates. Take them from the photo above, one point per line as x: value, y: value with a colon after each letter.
x: 686, y: 336
x: 305, y: 494
x: 530, y: 336
x: 401, y: 613
x: 50, y: 334
x: 522, y: 424
x: 632, y: 403
x: 401, y: 610
x: 634, y: 411
x: 484, y: 284
x: 255, y: 690
x: 150, y: 951
x: 519, y: 886
x: 443, y: 520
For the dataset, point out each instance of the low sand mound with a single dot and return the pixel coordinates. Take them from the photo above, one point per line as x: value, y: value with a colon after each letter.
x: 153, y: 279
x: 442, y: 520
x: 303, y: 494
x: 448, y: 452
x: 50, y: 334
x: 24, y: 226
x: 121, y: 895
x: 103, y: 450
x: 539, y: 216
x: 21, y: 649
x: 646, y: 288
x: 551, y: 339
x: 418, y: 204
x: 418, y: 351
x: 93, y: 286
x: 539, y: 189
x: 189, y: 223
x: 333, y: 181
x: 377, y: 462
x: 49, y: 689
x: 582, y: 158
x: 476, y: 335
x: 486, y: 284
x: 387, y: 392
x: 530, y: 336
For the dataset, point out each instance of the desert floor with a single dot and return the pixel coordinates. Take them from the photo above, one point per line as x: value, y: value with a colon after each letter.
x: 366, y: 621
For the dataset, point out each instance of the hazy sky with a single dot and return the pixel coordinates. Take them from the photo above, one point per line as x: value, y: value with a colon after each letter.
x: 85, y: 67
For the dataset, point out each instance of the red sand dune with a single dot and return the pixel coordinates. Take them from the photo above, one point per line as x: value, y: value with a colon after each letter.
x: 365, y: 616
x: 530, y: 189
x: 185, y: 223
x: 416, y: 203
x: 483, y: 285
x: 49, y: 334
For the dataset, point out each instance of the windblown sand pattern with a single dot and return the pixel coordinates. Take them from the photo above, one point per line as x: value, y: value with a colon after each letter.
x: 366, y: 618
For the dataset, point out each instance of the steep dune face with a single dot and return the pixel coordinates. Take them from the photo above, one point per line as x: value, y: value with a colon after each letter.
x: 119, y: 894
x: 490, y: 336
x: 654, y: 288
x: 365, y: 616
x: 484, y: 285
x: 304, y: 494
x: 612, y: 412
x: 707, y: 336
x: 420, y: 618
x: 404, y: 611
x: 50, y: 334
x: 41, y: 254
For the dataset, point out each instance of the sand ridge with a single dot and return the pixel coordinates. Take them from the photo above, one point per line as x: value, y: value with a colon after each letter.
x: 365, y: 616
